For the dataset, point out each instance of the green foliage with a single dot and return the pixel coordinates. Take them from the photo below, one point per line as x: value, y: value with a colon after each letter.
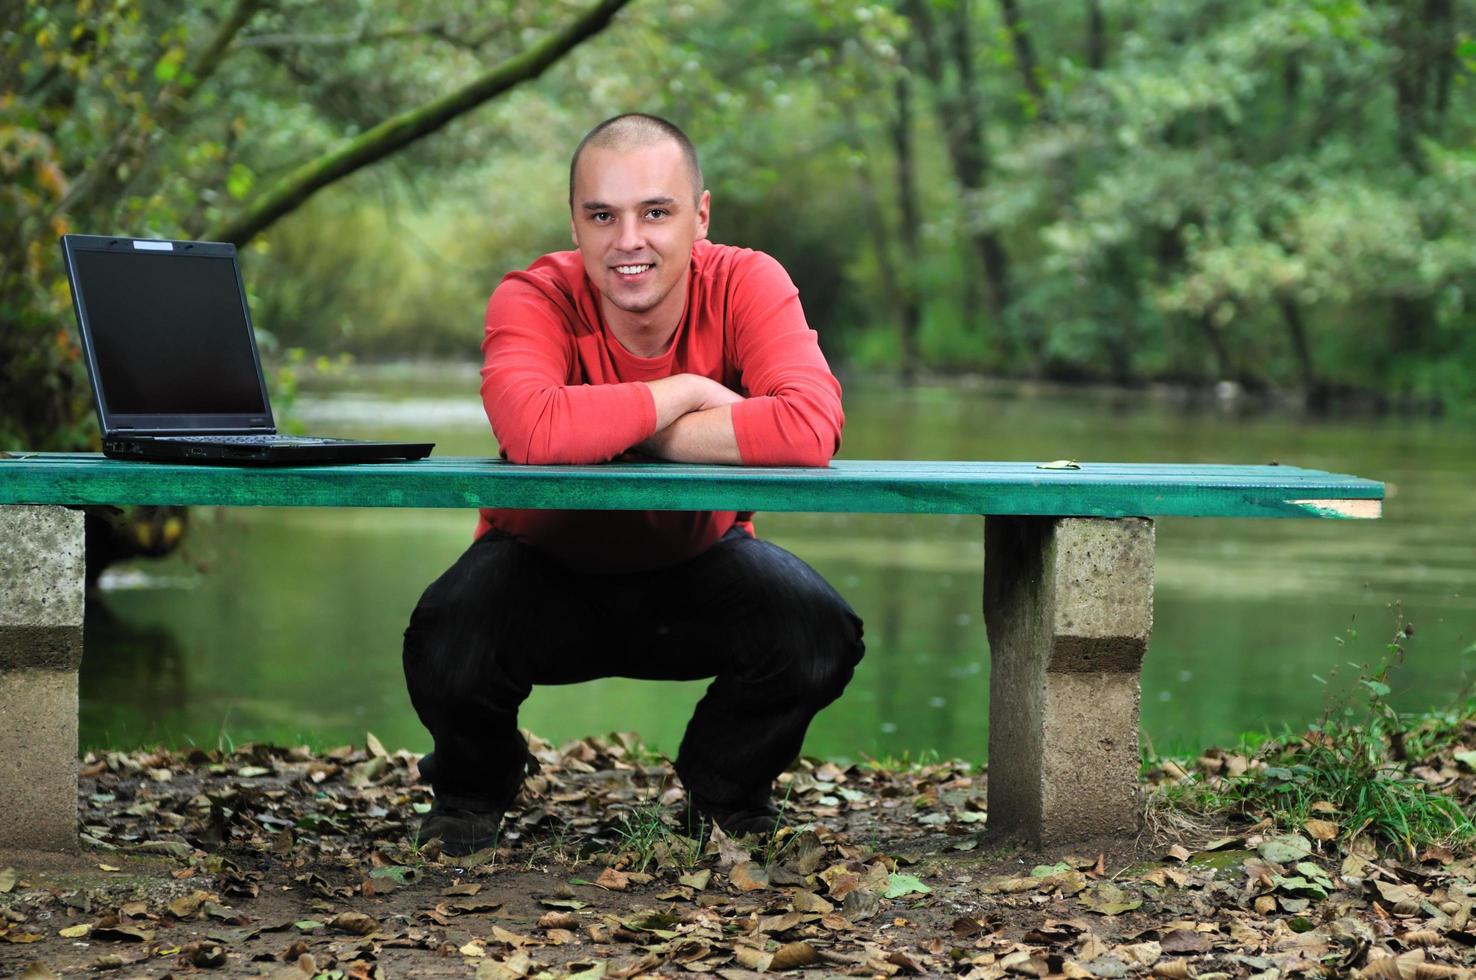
x: 125, y: 117
x: 1279, y: 192
x: 1354, y: 768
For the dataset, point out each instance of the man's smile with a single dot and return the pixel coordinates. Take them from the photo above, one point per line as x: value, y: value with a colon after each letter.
x: 634, y: 269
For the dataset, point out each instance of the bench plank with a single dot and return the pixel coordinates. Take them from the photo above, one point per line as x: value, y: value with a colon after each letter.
x: 846, y: 486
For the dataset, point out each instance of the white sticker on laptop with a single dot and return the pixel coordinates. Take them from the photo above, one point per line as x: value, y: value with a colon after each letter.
x: 154, y: 246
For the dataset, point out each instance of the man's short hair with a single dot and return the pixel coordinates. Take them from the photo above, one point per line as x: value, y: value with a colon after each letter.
x: 633, y: 129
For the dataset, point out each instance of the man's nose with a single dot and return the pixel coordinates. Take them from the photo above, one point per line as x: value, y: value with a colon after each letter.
x: 630, y: 235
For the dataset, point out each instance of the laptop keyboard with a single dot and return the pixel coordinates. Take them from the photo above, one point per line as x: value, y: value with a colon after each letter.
x: 248, y: 440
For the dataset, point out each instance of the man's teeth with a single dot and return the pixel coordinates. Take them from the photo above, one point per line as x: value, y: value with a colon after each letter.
x: 632, y: 270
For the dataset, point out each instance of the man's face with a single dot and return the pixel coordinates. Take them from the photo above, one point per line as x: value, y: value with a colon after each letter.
x: 635, y: 217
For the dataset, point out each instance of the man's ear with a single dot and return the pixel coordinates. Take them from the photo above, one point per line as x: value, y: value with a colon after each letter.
x: 573, y: 232
x: 704, y: 213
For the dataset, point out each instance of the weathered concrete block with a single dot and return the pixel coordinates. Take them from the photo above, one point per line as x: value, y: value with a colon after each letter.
x: 38, y: 759
x: 41, y: 608
x: 41, y: 588
x: 1069, y: 607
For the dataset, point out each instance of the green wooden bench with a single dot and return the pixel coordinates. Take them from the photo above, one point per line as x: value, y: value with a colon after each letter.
x: 1068, y: 589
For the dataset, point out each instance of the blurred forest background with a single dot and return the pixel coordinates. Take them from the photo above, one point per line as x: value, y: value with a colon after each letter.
x: 1280, y: 194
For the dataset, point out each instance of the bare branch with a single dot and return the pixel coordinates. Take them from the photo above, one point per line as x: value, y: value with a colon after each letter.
x: 401, y: 130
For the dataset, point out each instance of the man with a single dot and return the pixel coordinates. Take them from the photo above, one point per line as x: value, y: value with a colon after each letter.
x: 647, y: 340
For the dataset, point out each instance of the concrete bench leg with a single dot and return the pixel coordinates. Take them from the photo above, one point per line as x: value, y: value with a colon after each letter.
x: 41, y: 592
x: 1069, y: 606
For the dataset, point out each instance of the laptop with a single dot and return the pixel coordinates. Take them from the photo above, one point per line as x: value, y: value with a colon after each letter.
x: 173, y: 360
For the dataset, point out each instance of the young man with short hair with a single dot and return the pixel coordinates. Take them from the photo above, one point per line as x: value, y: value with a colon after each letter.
x: 646, y: 340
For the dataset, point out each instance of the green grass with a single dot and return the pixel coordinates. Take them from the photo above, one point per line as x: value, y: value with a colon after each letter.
x: 645, y: 833
x: 1354, y: 767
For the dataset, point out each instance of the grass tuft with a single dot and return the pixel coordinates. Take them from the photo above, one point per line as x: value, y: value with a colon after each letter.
x: 1356, y: 768
x: 644, y: 833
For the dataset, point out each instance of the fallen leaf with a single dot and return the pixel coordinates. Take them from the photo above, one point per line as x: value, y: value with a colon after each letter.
x: 37, y: 971
x: 615, y: 881
x: 793, y: 956
x: 75, y: 932
x: 1140, y: 954
x: 572, y: 904
x: 515, y: 966
x: 464, y: 888
x: 900, y: 884
x: 1285, y: 848
x: 558, y: 920
x: 1321, y: 829
x: 803, y: 853
x: 780, y: 923
x: 121, y: 933
x: 355, y: 922
x: 1107, y: 899
x: 730, y: 852
x: 473, y: 860
x: 509, y: 938
x: 697, y: 879
x: 752, y: 959
x: 8, y: 879
x: 1184, y: 941
x: 398, y: 874
x: 749, y: 876
x: 810, y: 902
x: 108, y: 867
x: 187, y: 906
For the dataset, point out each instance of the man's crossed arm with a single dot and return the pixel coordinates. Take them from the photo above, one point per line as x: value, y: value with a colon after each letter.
x: 694, y: 421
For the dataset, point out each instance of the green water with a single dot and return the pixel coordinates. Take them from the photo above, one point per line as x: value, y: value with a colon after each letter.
x: 285, y: 624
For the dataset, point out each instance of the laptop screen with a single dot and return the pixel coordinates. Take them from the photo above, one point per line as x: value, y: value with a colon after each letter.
x: 169, y: 333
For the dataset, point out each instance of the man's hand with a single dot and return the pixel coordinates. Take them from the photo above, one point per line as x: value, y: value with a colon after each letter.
x: 681, y: 394
x: 694, y: 421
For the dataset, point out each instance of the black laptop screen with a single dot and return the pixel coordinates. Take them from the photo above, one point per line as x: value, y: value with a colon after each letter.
x: 169, y: 333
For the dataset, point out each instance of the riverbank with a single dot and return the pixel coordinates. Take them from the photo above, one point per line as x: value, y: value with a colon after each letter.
x: 288, y: 862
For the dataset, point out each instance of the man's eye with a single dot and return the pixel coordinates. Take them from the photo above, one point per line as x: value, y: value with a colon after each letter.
x: 601, y: 216
x: 656, y: 213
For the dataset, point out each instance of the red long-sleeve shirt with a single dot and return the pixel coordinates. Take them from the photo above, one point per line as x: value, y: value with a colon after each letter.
x: 559, y: 388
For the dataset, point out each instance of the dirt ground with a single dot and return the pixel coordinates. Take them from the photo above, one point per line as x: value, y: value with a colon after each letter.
x: 279, y: 862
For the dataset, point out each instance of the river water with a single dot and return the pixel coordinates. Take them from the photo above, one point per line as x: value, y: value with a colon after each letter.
x: 285, y: 625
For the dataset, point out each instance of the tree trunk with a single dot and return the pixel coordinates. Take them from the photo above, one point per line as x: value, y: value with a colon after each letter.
x: 1019, y: 33
x: 1440, y: 21
x: 397, y: 132
x: 1096, y: 46
x: 910, y: 306
x: 1224, y: 366
x: 973, y: 156
x: 1296, y: 330
x: 961, y: 119
x: 1425, y: 42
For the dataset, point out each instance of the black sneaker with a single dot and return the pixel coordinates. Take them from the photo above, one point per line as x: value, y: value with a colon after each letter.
x: 762, y: 820
x: 467, y: 824
x: 461, y: 831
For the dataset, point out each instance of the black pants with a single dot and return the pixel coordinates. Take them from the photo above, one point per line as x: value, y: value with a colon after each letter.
x: 779, y: 642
